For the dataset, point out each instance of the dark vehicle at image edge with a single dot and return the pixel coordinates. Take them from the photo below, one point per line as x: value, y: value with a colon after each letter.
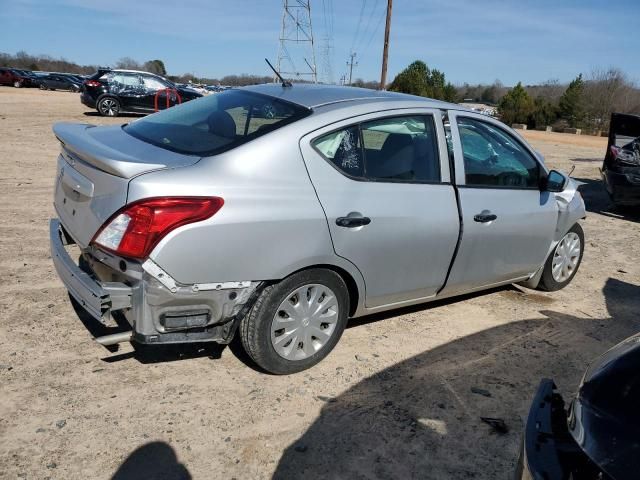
x: 17, y: 78
x: 621, y: 167
x: 112, y: 92
x: 598, y: 436
x: 55, y: 81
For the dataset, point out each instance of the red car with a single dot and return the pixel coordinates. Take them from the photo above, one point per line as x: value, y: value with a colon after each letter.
x: 17, y: 78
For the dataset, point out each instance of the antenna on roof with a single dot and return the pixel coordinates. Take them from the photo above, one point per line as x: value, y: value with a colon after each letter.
x: 285, y: 83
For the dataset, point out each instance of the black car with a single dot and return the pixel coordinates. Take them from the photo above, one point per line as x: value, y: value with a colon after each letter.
x: 597, y: 437
x: 55, y: 81
x: 621, y: 167
x: 112, y: 92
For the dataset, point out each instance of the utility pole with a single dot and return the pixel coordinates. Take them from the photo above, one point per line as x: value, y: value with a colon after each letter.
x: 297, y: 33
x: 351, y: 63
x: 385, y: 52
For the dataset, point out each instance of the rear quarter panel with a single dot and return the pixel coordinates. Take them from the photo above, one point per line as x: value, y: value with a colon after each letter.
x: 271, y: 223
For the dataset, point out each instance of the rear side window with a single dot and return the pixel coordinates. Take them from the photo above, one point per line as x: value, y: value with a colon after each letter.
x: 215, y: 123
x: 397, y: 149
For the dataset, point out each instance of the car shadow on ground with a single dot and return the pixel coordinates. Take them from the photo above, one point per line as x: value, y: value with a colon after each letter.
x: 123, y: 115
x: 154, y: 460
x: 597, y: 200
x: 421, y: 418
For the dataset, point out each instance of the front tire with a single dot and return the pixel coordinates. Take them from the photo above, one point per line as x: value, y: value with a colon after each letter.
x: 17, y: 84
x: 563, y: 263
x: 108, y: 107
x: 295, y: 323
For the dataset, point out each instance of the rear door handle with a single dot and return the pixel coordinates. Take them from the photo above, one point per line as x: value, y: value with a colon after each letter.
x: 352, y: 222
x: 484, y: 217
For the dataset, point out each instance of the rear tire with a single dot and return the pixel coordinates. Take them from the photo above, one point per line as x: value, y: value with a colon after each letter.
x: 297, y: 322
x: 108, y: 107
x: 563, y: 263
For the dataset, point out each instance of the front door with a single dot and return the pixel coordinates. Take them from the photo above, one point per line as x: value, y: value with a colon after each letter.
x: 508, y: 223
x: 383, y: 181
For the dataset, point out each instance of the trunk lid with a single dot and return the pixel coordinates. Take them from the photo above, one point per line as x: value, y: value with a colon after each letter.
x: 94, y: 168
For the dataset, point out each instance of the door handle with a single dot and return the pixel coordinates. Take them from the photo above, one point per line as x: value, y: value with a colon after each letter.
x: 352, y: 222
x: 484, y: 217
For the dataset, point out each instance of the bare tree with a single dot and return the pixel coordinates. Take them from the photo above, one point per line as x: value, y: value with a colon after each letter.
x: 608, y: 91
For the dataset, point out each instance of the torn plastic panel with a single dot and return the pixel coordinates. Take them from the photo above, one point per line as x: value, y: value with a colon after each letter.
x: 163, y: 310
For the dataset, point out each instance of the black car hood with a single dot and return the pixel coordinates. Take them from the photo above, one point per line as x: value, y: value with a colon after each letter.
x: 604, y: 418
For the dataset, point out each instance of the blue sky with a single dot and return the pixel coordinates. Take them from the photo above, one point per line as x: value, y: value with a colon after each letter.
x: 470, y: 40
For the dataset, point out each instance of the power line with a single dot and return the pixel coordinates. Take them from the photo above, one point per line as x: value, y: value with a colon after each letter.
x: 355, y: 38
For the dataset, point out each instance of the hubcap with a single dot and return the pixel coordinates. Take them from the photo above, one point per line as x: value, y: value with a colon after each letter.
x: 304, y: 322
x: 108, y: 107
x: 566, y: 257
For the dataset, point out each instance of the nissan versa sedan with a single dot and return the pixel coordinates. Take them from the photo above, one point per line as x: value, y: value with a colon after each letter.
x: 205, y: 220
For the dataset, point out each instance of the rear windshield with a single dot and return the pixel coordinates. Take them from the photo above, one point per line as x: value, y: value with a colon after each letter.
x: 215, y: 123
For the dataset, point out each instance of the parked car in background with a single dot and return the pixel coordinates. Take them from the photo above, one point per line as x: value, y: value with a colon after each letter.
x: 57, y: 81
x: 205, y: 219
x: 596, y: 438
x: 621, y: 167
x: 17, y: 78
x: 112, y: 92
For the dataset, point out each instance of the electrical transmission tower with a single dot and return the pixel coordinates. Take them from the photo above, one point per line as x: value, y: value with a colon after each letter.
x: 296, y: 55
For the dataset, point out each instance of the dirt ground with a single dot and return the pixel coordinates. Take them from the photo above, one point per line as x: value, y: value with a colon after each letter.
x: 400, y: 396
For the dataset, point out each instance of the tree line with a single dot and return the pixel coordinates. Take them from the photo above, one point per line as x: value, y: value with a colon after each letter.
x: 586, y: 102
x: 24, y: 61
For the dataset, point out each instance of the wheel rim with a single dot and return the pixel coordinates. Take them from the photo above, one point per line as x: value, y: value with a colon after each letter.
x: 108, y: 107
x: 304, y: 322
x: 566, y: 257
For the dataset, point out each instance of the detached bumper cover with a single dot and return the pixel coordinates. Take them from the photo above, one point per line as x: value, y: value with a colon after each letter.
x: 98, y: 298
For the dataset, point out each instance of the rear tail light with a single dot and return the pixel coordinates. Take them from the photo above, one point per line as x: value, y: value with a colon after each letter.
x: 92, y: 83
x: 136, y: 229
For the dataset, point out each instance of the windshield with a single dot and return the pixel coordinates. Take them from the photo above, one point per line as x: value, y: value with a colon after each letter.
x: 215, y: 123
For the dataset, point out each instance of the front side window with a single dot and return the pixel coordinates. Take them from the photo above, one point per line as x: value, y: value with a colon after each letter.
x: 494, y: 158
x: 395, y: 149
x: 152, y: 83
x: 215, y: 123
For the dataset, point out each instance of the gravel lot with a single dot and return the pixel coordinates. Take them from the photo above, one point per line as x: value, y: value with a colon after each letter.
x: 400, y: 397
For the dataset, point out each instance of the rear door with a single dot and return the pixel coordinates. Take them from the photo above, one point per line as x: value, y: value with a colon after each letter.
x: 383, y: 181
x: 508, y: 223
x: 127, y: 86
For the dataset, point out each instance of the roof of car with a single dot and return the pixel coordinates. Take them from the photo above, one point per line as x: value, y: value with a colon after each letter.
x: 316, y: 95
x: 126, y: 70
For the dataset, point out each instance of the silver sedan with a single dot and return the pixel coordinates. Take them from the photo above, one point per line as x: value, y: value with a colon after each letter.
x: 213, y: 219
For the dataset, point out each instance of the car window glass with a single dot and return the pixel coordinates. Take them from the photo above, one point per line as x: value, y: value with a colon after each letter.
x: 494, y: 158
x: 343, y: 149
x: 401, y: 148
x: 152, y: 83
x: 123, y: 80
x: 211, y: 124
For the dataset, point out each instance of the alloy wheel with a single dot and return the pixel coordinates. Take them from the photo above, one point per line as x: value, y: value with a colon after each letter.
x: 304, y: 322
x: 566, y: 257
x: 109, y: 107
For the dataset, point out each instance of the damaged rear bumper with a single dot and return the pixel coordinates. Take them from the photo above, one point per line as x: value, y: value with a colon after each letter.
x: 159, y: 309
x: 97, y: 298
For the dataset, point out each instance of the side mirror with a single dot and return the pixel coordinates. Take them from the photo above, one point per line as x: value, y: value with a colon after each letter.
x: 555, y: 182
